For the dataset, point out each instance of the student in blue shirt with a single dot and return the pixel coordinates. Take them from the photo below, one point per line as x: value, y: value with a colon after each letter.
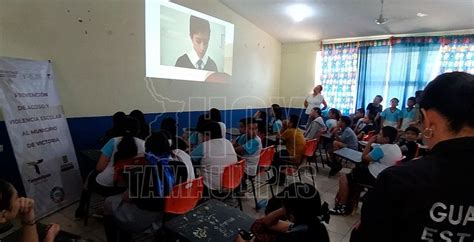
x: 248, y: 147
x: 408, y: 113
x: 276, y: 124
x: 242, y: 130
x: 391, y: 116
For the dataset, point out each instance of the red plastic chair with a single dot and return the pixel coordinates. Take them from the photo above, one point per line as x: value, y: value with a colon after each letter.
x: 184, y: 197
x: 232, y: 177
x: 264, y: 164
x: 121, y: 165
x: 368, y: 136
x: 309, y: 150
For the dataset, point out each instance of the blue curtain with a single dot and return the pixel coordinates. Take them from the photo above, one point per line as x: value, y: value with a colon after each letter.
x: 412, y: 67
x: 373, y: 62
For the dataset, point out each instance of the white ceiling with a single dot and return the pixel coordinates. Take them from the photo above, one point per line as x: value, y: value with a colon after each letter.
x: 355, y: 18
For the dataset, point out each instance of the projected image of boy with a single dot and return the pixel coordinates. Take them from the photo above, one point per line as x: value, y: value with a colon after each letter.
x: 199, y: 31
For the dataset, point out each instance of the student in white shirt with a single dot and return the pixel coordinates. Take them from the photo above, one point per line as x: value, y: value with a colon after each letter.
x: 374, y: 161
x: 316, y: 125
x: 213, y: 155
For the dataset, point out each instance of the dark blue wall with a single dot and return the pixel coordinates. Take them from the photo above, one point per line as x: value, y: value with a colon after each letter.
x: 86, y: 131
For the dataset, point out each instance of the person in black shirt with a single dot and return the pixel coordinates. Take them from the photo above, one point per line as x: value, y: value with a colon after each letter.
x: 431, y: 198
x: 116, y: 130
x: 374, y: 109
x: 408, y: 144
x: 295, y: 214
x: 144, y: 129
x: 170, y: 125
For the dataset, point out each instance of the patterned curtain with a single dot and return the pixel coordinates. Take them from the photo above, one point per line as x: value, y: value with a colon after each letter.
x: 339, y: 75
x: 457, y: 54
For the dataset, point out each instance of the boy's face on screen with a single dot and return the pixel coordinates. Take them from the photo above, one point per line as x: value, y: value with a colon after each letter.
x: 200, y: 43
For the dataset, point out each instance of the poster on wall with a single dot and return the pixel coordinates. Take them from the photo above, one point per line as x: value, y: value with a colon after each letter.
x: 39, y: 134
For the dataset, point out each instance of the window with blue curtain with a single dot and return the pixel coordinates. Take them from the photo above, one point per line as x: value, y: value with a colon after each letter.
x: 397, y: 70
x: 412, y: 66
x: 339, y: 75
x: 397, y: 67
x: 372, y: 73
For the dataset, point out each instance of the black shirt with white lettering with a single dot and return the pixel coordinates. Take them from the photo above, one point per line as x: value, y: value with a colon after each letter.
x: 429, y: 199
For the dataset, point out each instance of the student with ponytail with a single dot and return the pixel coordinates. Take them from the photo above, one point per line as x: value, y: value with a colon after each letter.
x: 142, y: 204
x: 12, y: 206
x: 101, y: 180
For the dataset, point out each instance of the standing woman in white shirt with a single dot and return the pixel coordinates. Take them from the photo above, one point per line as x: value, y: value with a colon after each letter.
x: 315, y: 99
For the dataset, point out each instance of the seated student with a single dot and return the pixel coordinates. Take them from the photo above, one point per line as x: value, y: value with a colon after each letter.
x: 316, y: 126
x: 408, y: 114
x: 261, y: 116
x: 195, y: 138
x: 391, y: 116
x: 297, y: 216
x: 249, y: 147
x: 276, y: 123
x: 169, y: 124
x: 357, y: 118
x: 117, y: 120
x: 12, y: 206
x: 382, y: 156
x: 242, y: 130
x: 360, y: 125
x: 262, y: 133
x: 139, y: 207
x: 143, y: 127
x: 101, y: 180
x: 294, y: 142
x: 215, y: 115
x: 344, y: 138
x: 374, y: 109
x: 181, y: 156
x: 369, y: 126
x: 214, y: 154
x: 333, y: 117
x: 408, y: 144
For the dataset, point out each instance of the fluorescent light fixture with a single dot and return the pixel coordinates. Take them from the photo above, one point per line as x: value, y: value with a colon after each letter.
x: 298, y: 12
x: 421, y: 15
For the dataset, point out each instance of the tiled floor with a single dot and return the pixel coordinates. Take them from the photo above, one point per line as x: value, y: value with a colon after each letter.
x: 339, y: 227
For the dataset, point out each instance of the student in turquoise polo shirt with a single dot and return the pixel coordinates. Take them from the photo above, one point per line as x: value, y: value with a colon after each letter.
x: 391, y: 116
x: 408, y: 113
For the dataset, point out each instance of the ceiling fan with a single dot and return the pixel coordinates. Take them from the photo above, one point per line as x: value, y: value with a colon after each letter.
x: 381, y: 19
